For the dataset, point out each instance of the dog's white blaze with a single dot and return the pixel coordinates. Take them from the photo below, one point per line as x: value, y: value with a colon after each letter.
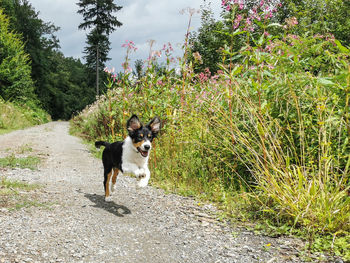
x: 146, y: 143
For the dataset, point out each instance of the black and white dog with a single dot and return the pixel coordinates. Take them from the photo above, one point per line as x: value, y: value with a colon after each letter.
x: 130, y: 155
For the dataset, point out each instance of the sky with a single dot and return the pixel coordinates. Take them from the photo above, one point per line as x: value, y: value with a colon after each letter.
x: 143, y: 20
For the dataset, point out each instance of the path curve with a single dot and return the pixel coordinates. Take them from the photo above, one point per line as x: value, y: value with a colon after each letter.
x: 139, y: 225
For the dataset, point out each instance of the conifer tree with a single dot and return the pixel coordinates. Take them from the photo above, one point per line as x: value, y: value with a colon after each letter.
x: 100, y: 19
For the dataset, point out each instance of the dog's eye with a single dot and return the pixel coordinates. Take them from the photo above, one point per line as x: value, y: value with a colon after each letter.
x: 141, y: 135
x: 149, y: 135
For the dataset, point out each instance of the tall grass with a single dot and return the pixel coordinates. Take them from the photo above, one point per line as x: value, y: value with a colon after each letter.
x: 298, y: 177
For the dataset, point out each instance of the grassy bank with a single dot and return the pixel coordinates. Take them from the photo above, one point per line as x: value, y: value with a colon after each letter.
x: 13, y: 116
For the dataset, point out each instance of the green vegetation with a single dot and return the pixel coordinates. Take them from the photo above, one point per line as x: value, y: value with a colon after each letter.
x: 16, y: 83
x: 33, y: 70
x: 8, y: 185
x: 15, y: 80
x: 266, y: 136
x: 13, y: 117
x: 17, y: 195
x: 12, y: 161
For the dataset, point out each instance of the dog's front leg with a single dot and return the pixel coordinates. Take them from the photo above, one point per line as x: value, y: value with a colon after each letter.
x: 145, y: 178
x: 134, y: 169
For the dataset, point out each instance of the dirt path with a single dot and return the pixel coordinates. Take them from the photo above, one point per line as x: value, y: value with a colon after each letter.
x: 139, y: 225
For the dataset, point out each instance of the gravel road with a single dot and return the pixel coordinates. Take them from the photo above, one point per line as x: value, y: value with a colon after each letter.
x: 139, y: 225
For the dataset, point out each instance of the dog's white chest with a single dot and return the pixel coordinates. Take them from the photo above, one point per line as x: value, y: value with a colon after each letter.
x: 131, y: 157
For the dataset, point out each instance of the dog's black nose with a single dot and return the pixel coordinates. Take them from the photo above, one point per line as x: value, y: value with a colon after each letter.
x: 147, y: 147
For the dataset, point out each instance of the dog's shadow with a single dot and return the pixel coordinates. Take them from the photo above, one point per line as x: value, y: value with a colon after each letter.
x: 112, y: 207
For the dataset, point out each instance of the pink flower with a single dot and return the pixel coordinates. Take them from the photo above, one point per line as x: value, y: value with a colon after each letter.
x: 157, y: 53
x: 248, y: 21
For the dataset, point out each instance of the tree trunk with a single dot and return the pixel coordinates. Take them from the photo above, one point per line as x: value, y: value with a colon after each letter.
x: 97, y: 71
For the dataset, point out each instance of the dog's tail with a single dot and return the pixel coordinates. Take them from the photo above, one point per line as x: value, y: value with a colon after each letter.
x: 101, y: 143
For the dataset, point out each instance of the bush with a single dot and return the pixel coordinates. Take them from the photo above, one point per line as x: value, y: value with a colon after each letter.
x: 15, y: 70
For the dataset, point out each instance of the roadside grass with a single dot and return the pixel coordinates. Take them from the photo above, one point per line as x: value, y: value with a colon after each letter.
x: 4, y: 131
x: 11, y: 161
x: 15, y: 195
x: 14, y: 117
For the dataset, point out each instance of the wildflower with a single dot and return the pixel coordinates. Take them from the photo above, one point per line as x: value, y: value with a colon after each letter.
x: 248, y: 21
x: 291, y: 22
x: 237, y: 21
x: 198, y: 57
x: 130, y: 45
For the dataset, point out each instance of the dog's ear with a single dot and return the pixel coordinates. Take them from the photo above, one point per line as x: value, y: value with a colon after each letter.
x: 154, y: 125
x: 133, y: 123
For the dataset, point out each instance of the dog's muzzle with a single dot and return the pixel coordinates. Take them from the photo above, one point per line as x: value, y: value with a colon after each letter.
x: 144, y: 152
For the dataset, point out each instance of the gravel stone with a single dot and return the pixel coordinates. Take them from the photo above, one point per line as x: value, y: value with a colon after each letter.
x: 138, y: 225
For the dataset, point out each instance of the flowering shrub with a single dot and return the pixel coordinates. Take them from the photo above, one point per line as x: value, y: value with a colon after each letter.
x: 247, y: 17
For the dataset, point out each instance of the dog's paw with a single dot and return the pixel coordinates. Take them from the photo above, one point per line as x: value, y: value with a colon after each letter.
x: 141, y: 176
x: 108, y: 199
x: 142, y: 183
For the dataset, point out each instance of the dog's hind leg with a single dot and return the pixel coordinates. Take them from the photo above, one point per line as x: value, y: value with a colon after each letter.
x: 107, y: 179
x: 114, y: 178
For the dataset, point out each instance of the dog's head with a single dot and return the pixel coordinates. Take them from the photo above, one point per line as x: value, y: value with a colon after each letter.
x: 143, y: 135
